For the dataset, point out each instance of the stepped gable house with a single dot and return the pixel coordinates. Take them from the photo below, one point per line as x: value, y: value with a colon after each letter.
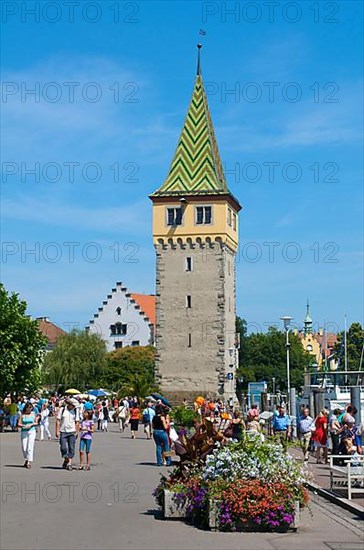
x: 125, y: 319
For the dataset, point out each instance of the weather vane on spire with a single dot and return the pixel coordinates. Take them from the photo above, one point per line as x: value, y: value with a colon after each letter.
x: 199, y: 46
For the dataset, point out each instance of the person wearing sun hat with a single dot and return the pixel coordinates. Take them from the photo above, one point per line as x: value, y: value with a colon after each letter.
x: 67, y: 427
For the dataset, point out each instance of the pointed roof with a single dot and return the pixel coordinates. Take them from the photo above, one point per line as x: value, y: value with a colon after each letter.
x: 308, y: 318
x: 196, y: 167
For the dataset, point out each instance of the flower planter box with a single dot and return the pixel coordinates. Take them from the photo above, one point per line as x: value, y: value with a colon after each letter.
x: 214, y: 519
x: 172, y: 509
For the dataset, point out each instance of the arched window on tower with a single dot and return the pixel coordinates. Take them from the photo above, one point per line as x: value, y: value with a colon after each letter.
x: 118, y: 310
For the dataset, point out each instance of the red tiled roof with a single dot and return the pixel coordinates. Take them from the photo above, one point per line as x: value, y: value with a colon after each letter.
x: 50, y: 330
x: 329, y: 339
x: 147, y: 305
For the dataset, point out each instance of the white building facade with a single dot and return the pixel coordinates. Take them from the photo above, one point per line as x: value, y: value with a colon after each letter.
x: 125, y: 319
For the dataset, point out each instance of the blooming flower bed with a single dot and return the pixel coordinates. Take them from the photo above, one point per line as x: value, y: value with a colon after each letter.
x: 253, y: 487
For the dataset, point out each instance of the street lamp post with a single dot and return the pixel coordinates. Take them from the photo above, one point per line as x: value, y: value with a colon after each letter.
x: 273, y: 390
x: 287, y: 321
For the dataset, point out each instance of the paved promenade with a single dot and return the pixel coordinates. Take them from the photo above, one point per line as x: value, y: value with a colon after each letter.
x: 320, y: 476
x: 111, y: 506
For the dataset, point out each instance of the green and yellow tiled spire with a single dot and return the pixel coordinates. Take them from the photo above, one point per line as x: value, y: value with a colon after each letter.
x: 196, y: 166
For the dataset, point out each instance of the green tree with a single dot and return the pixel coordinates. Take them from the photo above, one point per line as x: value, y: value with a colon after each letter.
x: 241, y: 330
x: 265, y: 358
x: 354, y: 346
x: 132, y: 365
x: 139, y: 385
x: 21, y: 346
x: 78, y: 360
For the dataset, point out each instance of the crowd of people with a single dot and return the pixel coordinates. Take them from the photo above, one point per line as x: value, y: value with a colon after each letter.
x: 339, y: 426
x: 77, y: 419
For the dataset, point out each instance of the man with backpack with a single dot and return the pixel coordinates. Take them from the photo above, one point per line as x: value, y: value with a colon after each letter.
x: 122, y: 413
x: 67, y: 427
x: 148, y: 415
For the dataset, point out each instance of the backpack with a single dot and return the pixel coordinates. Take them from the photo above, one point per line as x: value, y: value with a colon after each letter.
x: 146, y: 417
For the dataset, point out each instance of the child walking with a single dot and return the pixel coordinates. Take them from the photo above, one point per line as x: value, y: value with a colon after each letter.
x: 86, y: 430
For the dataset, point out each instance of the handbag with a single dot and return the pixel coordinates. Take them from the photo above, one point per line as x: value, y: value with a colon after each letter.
x: 313, y: 426
x: 173, y: 435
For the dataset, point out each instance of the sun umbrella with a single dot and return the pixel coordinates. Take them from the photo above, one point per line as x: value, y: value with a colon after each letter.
x: 162, y: 398
x: 72, y: 391
x: 150, y: 398
x: 105, y: 391
x: 97, y: 393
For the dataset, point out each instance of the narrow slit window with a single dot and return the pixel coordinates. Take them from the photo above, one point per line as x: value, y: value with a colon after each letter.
x: 189, y: 340
x: 188, y: 301
x: 189, y: 265
x: 234, y: 222
x: 229, y: 216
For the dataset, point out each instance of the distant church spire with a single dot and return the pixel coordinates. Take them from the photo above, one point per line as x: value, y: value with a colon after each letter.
x: 307, y: 329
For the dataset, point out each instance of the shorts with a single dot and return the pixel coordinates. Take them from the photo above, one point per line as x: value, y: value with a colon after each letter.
x: 134, y: 424
x: 85, y: 445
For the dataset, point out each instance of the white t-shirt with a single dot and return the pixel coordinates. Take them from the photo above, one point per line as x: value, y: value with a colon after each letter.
x: 44, y: 416
x: 68, y: 419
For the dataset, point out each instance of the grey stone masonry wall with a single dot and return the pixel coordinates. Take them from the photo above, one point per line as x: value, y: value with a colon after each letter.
x: 192, y: 342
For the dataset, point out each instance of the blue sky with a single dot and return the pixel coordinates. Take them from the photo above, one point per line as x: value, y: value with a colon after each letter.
x: 112, y: 84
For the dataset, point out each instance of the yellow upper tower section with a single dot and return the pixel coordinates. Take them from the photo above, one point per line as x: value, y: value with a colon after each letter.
x: 194, y: 200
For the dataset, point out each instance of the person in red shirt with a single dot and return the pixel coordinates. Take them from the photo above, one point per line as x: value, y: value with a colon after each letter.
x: 134, y: 420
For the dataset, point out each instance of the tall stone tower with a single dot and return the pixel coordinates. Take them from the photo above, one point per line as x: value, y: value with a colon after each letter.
x: 195, y: 230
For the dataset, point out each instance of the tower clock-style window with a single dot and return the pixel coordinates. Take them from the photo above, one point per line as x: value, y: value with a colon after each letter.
x: 203, y: 215
x: 174, y: 216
